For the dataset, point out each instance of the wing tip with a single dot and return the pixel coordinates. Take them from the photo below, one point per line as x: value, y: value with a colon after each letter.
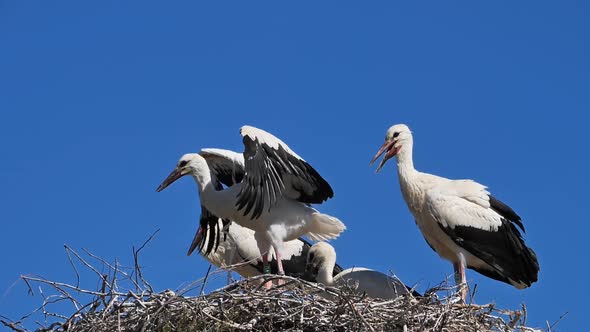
x: 247, y: 130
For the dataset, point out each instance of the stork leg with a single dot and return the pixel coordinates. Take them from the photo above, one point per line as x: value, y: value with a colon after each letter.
x: 460, y: 279
x: 231, y: 260
x: 266, y: 268
x: 280, y: 267
x: 264, y: 247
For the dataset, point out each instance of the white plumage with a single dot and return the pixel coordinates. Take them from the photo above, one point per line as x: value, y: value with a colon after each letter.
x: 268, y: 189
x: 460, y: 220
x: 236, y: 250
x: 321, y: 259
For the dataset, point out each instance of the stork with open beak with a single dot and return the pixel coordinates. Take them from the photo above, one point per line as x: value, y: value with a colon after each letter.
x: 461, y: 220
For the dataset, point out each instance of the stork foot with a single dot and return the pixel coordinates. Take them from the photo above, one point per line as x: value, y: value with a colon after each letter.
x: 280, y: 281
x: 463, y: 291
x: 266, y: 270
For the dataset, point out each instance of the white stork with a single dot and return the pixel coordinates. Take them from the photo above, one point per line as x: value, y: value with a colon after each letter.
x: 269, y: 189
x: 231, y: 246
x: 321, y: 259
x: 461, y: 220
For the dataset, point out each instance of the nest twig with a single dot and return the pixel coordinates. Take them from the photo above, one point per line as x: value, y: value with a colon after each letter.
x: 246, y: 305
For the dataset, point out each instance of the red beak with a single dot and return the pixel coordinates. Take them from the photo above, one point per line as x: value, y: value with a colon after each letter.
x: 391, y: 152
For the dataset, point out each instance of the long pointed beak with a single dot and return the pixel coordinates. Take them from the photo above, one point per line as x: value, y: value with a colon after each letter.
x: 386, y: 147
x: 196, y: 241
x: 175, y: 175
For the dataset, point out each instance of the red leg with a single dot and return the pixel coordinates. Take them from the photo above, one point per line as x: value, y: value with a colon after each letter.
x: 464, y: 288
x: 280, y: 266
x: 460, y: 279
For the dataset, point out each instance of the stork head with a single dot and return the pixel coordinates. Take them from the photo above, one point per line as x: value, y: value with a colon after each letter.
x: 190, y: 163
x: 396, y: 138
x: 320, y: 256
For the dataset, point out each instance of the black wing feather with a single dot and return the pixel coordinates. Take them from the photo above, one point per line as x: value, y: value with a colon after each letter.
x: 505, y: 211
x: 267, y: 172
x: 209, y: 223
x: 504, y: 250
x: 228, y: 176
x: 207, y: 227
x: 225, y: 170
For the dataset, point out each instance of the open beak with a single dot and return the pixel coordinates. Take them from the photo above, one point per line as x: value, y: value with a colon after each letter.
x: 196, y: 241
x: 175, y: 175
x: 389, y: 150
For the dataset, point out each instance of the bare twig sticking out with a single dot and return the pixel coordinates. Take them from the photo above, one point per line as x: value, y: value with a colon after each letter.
x: 205, y: 281
x: 138, y: 271
x: 294, y: 305
x: 90, y: 267
x: 67, y: 249
x: 550, y: 327
x: 127, y: 276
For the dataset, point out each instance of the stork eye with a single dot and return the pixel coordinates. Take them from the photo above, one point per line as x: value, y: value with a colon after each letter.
x: 182, y: 163
x: 395, y: 134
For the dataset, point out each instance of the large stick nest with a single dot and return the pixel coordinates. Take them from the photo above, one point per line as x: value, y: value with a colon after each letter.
x: 246, y: 305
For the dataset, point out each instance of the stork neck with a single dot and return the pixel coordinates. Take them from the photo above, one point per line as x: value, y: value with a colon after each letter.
x: 325, y: 273
x: 411, y: 181
x: 405, y: 162
x: 203, y: 179
x: 219, y: 202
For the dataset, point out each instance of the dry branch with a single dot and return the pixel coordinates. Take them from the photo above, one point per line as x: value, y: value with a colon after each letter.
x: 244, y: 305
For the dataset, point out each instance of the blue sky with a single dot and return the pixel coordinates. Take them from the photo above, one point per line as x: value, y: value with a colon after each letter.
x: 97, y: 103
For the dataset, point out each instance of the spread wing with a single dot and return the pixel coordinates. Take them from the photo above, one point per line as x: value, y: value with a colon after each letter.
x: 226, y: 166
x: 273, y: 170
